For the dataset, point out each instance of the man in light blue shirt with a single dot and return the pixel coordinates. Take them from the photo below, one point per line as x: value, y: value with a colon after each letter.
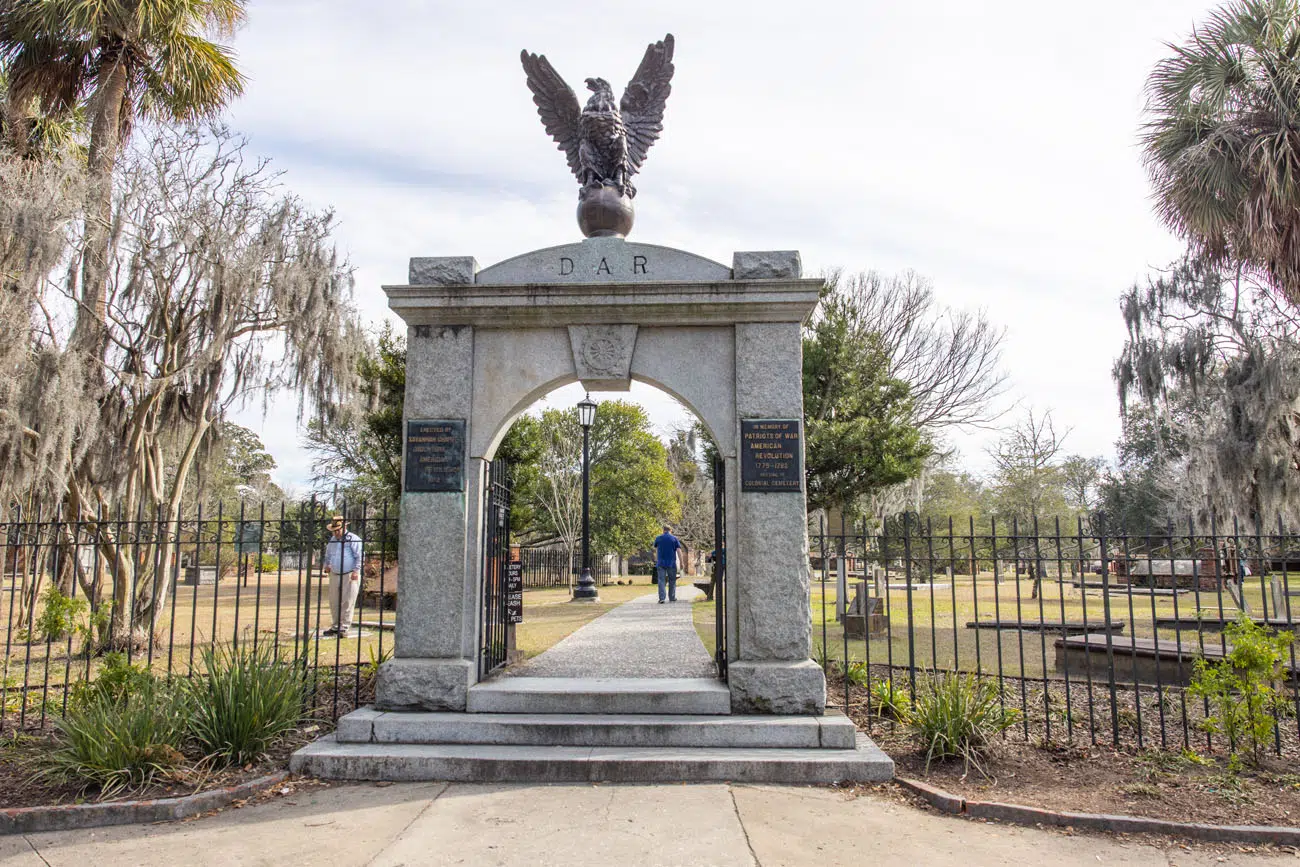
x: 667, y: 550
x: 343, y: 563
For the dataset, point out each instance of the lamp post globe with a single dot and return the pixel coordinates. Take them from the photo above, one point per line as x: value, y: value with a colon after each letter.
x: 586, y: 591
x: 586, y: 412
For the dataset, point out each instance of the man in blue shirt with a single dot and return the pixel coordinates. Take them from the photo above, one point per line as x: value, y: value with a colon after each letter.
x: 667, y: 551
x: 343, y: 563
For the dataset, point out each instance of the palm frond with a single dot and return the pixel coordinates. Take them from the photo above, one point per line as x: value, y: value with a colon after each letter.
x: 1220, y: 138
x: 189, y: 78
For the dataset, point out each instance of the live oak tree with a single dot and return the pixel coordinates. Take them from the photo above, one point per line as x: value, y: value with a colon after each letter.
x: 954, y: 493
x: 120, y: 61
x: 632, y: 490
x: 958, y: 502
x: 359, y: 451
x: 1136, y: 494
x: 858, y: 419
x: 113, y: 63
x: 235, y: 469
x: 221, y: 287
x: 927, y: 369
x: 1081, y: 479
x: 1217, y: 360
x: 949, y: 359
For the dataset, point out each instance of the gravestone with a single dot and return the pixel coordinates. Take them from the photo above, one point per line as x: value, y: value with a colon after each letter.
x: 864, y: 617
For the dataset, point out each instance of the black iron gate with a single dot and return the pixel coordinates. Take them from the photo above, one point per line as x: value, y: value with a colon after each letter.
x: 494, y: 649
x: 720, y: 563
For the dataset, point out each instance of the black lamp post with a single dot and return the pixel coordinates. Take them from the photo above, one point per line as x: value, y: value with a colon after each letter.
x: 586, y: 590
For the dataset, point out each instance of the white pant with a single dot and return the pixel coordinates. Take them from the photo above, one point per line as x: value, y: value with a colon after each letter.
x: 343, y: 598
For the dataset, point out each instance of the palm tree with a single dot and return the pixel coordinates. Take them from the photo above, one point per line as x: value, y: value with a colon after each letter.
x: 33, y: 134
x: 121, y: 60
x: 1222, y: 139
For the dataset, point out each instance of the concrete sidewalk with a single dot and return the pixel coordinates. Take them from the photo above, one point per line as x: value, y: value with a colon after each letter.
x: 439, y: 823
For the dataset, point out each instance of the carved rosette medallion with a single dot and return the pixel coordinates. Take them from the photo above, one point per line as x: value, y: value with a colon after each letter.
x: 602, y: 355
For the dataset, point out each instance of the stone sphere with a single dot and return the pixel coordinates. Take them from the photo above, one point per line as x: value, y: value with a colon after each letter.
x: 604, y: 213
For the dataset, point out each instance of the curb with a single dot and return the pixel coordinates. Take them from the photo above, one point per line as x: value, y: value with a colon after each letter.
x: 71, y: 817
x: 1017, y: 815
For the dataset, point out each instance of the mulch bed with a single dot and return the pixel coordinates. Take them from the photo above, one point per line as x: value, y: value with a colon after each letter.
x: 22, y: 751
x: 1085, y: 778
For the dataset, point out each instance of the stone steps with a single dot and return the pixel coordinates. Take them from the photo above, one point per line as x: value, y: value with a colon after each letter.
x: 330, y: 759
x: 833, y: 731
x: 600, y: 695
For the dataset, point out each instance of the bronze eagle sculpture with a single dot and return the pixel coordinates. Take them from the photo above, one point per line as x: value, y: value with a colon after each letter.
x: 605, y: 143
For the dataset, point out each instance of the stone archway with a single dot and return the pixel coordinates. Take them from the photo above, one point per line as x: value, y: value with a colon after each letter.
x: 484, y: 345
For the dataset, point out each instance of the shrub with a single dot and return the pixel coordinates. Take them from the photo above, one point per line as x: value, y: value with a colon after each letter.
x: 59, y: 614
x: 14, y: 698
x: 370, y: 670
x: 114, y: 745
x: 957, y: 716
x: 115, y: 681
x: 1240, y: 687
x: 246, y: 700
x: 268, y: 563
x: 889, y: 699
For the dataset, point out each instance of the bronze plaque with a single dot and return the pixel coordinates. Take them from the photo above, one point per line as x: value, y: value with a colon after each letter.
x: 435, y: 455
x: 771, y: 455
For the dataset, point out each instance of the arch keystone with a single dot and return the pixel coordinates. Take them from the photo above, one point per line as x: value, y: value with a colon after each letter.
x: 602, y: 355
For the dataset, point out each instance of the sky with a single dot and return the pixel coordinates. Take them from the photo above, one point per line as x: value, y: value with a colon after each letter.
x: 991, y: 147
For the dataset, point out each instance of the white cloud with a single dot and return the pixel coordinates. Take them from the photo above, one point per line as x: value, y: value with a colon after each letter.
x: 990, y: 146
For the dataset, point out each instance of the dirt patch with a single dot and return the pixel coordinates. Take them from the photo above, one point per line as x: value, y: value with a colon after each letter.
x: 1176, y: 784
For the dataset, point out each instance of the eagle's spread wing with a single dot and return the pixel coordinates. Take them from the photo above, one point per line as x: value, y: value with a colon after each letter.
x: 643, y: 101
x: 556, y: 102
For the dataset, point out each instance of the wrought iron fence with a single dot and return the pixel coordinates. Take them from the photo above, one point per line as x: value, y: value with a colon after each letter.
x: 555, y: 566
x: 1089, y: 637
x: 159, y: 592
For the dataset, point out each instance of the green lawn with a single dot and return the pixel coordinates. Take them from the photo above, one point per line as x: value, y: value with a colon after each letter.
x: 939, y: 636
x: 938, y: 619
x: 703, y: 615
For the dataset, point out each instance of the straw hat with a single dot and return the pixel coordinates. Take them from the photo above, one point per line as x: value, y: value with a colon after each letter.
x: 336, y: 523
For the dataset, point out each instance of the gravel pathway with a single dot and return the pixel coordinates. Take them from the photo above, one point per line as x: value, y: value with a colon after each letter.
x: 640, y: 638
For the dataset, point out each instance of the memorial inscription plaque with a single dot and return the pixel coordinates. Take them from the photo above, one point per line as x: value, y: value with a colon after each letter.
x: 514, y: 592
x: 771, y: 455
x: 435, y: 455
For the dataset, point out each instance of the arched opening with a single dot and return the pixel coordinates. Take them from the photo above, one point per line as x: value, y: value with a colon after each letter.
x: 566, y: 391
x: 651, y: 472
